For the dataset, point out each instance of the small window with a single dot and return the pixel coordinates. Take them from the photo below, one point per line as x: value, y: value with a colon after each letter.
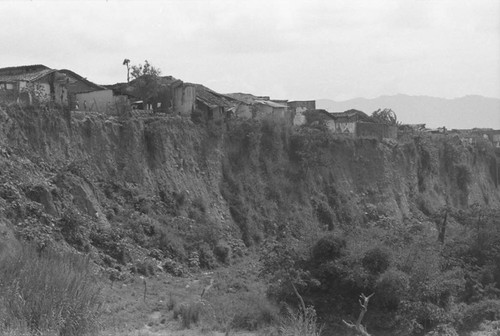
x: 6, y: 86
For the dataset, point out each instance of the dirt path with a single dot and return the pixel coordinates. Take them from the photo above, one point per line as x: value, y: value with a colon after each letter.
x: 138, y: 308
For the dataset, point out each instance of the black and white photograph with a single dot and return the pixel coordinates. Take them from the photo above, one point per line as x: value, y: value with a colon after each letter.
x: 249, y: 168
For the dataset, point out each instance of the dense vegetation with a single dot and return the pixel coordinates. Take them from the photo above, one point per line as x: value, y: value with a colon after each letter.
x: 330, y: 217
x: 440, y: 267
x: 419, y: 282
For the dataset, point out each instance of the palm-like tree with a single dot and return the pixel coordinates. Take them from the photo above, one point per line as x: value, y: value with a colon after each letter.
x: 126, y: 62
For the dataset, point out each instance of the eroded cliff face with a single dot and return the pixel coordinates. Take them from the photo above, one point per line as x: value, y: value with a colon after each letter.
x: 154, y: 183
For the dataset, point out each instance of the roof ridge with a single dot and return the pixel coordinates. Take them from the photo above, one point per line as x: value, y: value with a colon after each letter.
x: 79, y: 77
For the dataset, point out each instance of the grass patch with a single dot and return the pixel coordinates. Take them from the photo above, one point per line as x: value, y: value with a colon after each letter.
x: 242, y: 310
x: 300, y: 323
x: 47, y: 293
x: 188, y: 313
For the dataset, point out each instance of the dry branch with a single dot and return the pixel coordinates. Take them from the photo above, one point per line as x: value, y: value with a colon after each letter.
x: 358, y: 327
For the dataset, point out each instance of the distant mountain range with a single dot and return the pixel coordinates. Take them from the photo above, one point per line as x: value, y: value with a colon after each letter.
x: 465, y: 112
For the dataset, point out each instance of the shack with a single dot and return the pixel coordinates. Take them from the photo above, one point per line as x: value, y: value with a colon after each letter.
x: 30, y: 84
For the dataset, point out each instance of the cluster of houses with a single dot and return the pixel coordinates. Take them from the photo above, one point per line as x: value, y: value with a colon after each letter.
x: 42, y: 85
x: 475, y: 135
x: 38, y: 83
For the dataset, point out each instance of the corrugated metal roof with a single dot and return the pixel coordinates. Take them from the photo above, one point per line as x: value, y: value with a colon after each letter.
x: 270, y: 103
x: 246, y: 98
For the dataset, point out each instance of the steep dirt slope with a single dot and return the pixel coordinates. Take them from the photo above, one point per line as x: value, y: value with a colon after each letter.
x: 148, y: 190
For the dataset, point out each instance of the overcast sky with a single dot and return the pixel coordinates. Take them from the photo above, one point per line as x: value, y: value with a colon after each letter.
x: 307, y: 49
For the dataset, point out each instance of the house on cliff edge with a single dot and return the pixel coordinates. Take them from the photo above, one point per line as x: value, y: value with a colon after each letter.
x: 298, y: 108
x: 352, y: 123
x: 260, y: 107
x: 346, y: 122
x: 211, y: 105
x: 359, y: 124
x: 170, y: 95
x: 38, y: 84
x: 30, y: 84
x: 84, y: 95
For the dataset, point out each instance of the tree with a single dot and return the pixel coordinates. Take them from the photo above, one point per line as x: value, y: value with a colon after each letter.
x: 385, y: 116
x: 282, y: 265
x: 145, y: 70
x: 126, y: 62
x: 358, y: 327
x: 146, y: 78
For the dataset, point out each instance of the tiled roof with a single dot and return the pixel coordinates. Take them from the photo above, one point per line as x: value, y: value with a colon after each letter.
x: 210, y: 97
x: 24, y: 73
x: 22, y: 69
x: 131, y: 88
x: 80, y: 78
x: 169, y: 80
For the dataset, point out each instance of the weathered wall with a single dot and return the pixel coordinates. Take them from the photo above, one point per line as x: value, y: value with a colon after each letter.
x: 304, y: 105
x: 243, y: 111
x: 184, y: 100
x: 375, y: 130
x: 297, y: 108
x: 298, y: 116
x: 60, y: 94
x: 346, y: 127
x: 262, y: 111
x: 100, y: 101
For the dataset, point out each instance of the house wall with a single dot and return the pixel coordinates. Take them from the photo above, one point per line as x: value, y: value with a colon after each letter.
x: 97, y: 101
x: 297, y: 109
x: 60, y: 94
x: 43, y: 92
x: 279, y: 112
x: 262, y: 111
x: 218, y: 113
x: 469, y: 139
x: 44, y: 89
x: 345, y: 127
x: 495, y: 138
x: 375, y: 130
x: 243, y: 111
x: 208, y: 113
x: 298, y: 116
x: 39, y: 90
x: 330, y: 124
x: 305, y: 105
x: 8, y: 93
x: 184, y: 100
